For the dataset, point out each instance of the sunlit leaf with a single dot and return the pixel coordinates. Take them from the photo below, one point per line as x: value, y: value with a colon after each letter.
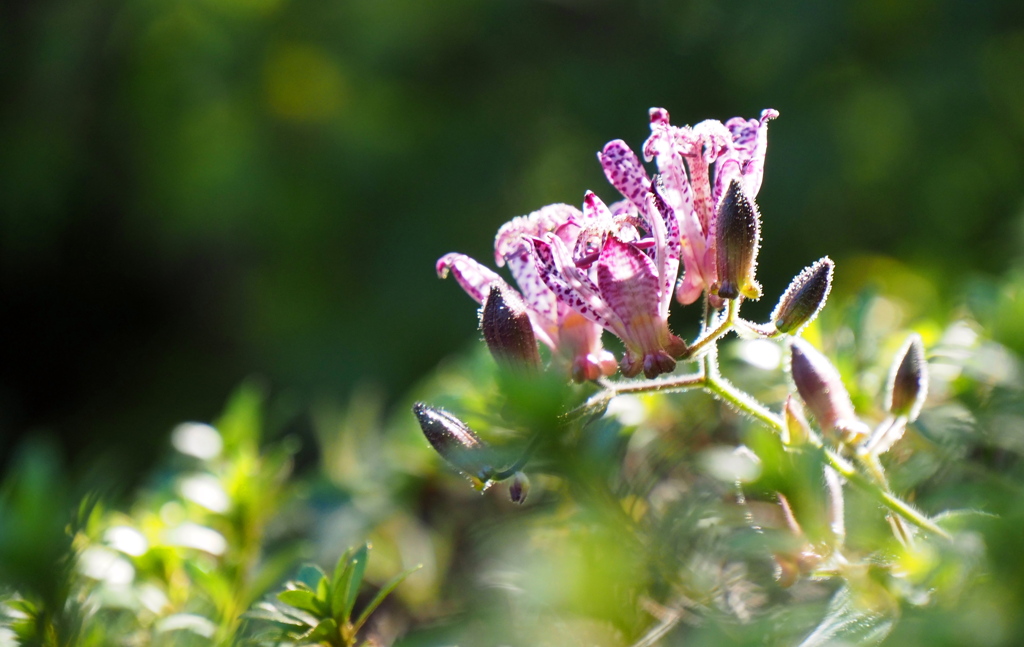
x: 270, y: 614
x: 845, y: 624
x: 327, y: 630
x: 305, y: 600
x: 347, y: 587
x: 384, y: 592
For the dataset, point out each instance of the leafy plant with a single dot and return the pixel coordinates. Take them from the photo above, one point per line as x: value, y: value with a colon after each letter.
x: 319, y: 610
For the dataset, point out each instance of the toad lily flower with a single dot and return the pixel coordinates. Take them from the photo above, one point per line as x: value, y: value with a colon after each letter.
x: 616, y: 278
x: 684, y: 157
x: 555, y: 324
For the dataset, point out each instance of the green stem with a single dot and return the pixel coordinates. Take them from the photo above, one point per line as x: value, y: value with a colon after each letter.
x: 669, y: 385
x: 717, y: 385
x: 510, y: 471
x: 767, y: 331
x: 710, y: 337
x: 887, y: 498
x: 743, y: 402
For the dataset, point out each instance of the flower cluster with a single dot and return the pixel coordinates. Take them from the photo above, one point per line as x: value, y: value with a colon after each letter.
x: 615, y: 267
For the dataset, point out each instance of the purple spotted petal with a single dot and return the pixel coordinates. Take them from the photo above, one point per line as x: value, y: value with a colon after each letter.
x: 675, y: 184
x: 628, y: 282
x: 745, y: 158
x: 589, y: 301
x: 753, y: 170
x: 535, y: 225
x: 587, y: 305
x: 624, y: 172
x: 475, y: 279
x: 541, y: 300
x: 698, y: 263
x: 595, y: 210
x: 706, y: 142
x: 668, y: 246
x: 624, y: 209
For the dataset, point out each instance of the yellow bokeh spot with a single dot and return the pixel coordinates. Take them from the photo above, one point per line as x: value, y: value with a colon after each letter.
x: 303, y: 83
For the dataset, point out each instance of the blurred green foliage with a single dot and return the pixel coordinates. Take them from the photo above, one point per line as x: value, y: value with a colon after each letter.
x: 640, y: 523
x: 196, y: 190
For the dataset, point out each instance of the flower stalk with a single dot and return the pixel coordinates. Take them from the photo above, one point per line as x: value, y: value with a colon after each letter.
x: 692, y: 231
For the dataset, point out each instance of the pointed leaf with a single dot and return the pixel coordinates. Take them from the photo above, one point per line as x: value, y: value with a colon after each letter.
x: 962, y: 519
x: 341, y: 567
x: 347, y: 586
x: 310, y: 576
x: 270, y: 614
x: 384, y: 592
x: 305, y: 600
x: 326, y: 631
x: 297, y: 614
x: 323, y: 595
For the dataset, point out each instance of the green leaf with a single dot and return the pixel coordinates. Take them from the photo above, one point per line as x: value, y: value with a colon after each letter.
x: 310, y: 575
x: 846, y: 624
x: 964, y: 519
x: 269, y: 614
x: 347, y: 586
x: 327, y: 630
x: 341, y: 567
x: 323, y: 595
x: 304, y: 617
x: 241, y: 421
x: 305, y: 600
x: 384, y: 592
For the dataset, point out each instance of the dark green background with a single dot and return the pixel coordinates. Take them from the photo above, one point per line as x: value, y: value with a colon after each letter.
x: 194, y: 191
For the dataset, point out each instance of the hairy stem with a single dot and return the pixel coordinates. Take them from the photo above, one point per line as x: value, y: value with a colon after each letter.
x: 710, y: 337
x: 668, y: 385
x: 709, y: 380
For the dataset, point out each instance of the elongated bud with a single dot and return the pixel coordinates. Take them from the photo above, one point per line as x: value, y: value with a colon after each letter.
x: 456, y: 443
x: 737, y: 238
x: 519, y: 488
x: 798, y: 430
x: 822, y: 390
x: 804, y: 298
x: 507, y: 329
x: 908, y: 380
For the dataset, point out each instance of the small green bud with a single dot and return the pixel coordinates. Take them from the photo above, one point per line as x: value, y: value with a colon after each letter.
x: 908, y: 380
x: 804, y: 298
x: 798, y: 430
x: 456, y: 443
x: 737, y: 238
x: 508, y: 330
x: 519, y: 488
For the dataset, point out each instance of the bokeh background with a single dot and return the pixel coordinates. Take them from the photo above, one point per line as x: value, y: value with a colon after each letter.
x: 197, y: 191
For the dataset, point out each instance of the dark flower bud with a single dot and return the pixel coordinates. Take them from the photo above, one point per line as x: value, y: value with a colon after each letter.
x: 804, y: 298
x: 737, y: 238
x: 519, y: 488
x: 822, y: 390
x: 456, y: 443
x: 507, y: 329
x: 798, y: 430
x: 908, y: 380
